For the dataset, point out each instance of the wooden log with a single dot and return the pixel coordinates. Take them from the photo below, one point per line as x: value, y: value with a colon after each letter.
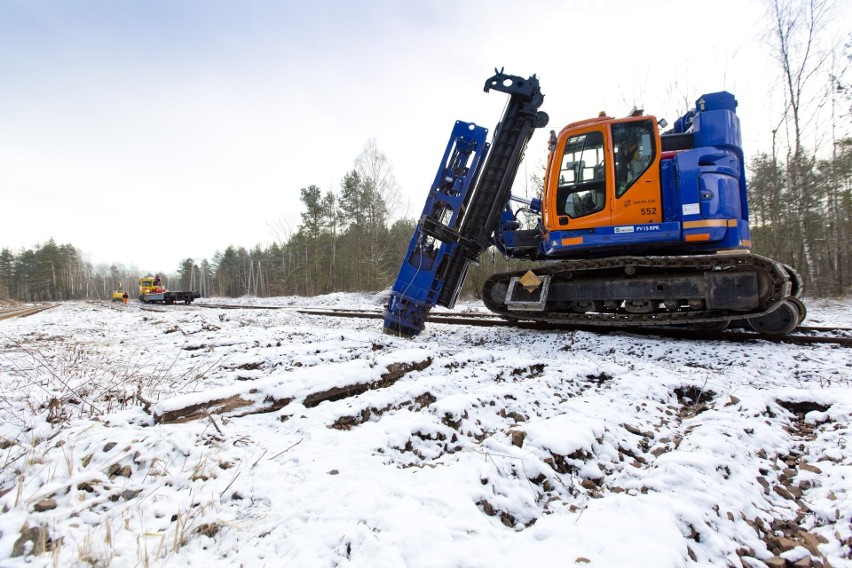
x: 248, y: 402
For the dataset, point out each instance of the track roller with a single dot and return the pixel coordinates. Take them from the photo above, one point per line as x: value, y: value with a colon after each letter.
x: 779, y: 321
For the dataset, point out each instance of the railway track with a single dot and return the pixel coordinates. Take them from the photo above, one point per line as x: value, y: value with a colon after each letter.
x: 803, y: 335
x: 23, y: 311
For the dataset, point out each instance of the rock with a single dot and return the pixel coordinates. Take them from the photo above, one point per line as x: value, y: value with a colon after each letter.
x: 776, y: 562
x: 43, y: 505
x: 812, y: 541
x: 632, y: 429
x: 116, y: 470
x: 37, y: 536
x: 808, y: 467
x: 786, y: 544
x: 782, y: 492
x: 518, y: 437
x: 581, y: 560
x: 109, y: 446
x: 129, y: 494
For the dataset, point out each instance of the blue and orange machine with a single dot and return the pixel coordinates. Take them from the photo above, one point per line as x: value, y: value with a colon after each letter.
x: 650, y: 228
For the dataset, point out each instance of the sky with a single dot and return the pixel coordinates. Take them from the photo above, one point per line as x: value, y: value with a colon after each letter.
x: 147, y: 132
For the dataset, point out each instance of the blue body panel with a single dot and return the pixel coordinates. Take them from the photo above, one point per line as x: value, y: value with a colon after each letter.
x: 658, y: 238
x: 418, y: 284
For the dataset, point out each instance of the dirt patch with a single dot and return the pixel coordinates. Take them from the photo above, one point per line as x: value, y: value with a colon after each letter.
x: 693, y: 399
x: 350, y: 421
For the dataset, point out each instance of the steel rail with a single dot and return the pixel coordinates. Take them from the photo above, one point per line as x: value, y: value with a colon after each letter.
x: 490, y: 320
x: 23, y: 311
x: 482, y: 320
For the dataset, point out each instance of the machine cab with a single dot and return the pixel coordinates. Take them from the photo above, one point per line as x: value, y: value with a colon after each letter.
x: 604, y: 172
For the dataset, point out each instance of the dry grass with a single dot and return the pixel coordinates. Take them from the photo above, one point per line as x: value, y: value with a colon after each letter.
x: 56, y: 391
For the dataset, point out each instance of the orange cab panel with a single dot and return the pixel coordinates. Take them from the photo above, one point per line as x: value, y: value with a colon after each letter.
x: 604, y: 172
x: 577, y: 186
x: 636, y: 173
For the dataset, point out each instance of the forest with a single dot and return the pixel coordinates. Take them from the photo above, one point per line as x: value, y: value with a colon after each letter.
x: 349, y: 238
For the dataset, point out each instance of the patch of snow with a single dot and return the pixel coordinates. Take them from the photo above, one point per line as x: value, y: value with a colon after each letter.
x: 464, y: 446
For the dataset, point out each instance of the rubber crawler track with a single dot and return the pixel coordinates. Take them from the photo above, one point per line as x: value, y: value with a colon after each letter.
x: 778, y: 288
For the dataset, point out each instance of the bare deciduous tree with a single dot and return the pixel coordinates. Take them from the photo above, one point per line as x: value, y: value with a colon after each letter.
x: 797, y: 25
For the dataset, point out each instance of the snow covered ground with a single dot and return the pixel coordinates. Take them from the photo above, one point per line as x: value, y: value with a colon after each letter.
x: 134, y: 435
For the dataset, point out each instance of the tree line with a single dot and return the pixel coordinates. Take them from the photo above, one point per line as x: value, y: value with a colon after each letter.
x: 801, y: 215
x: 346, y: 241
x: 800, y: 198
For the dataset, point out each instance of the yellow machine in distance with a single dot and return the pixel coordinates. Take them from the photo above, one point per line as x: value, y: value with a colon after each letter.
x: 151, y: 290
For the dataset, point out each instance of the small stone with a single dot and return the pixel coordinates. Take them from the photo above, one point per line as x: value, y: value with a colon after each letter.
x: 37, y: 536
x: 776, y: 562
x: 109, y: 446
x: 808, y: 467
x: 786, y: 544
x: 632, y: 429
x: 518, y: 437
x: 116, y: 470
x: 333, y: 472
x: 582, y: 560
x: 129, y: 494
x: 782, y: 492
x: 43, y: 505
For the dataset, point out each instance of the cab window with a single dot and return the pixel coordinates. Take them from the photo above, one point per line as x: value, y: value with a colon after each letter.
x: 633, y: 148
x: 582, y: 182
